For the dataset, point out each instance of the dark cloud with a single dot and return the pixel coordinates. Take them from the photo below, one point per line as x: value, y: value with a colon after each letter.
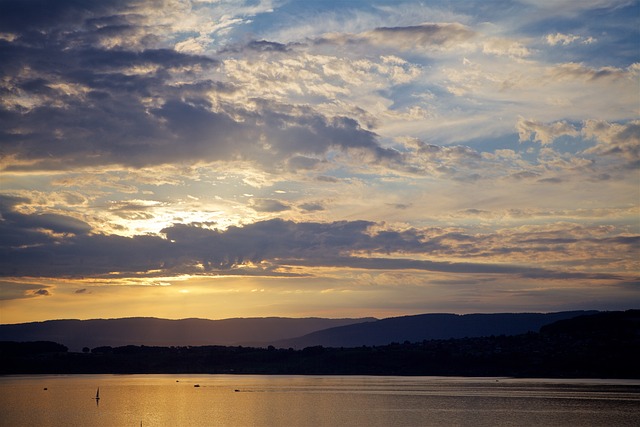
x: 267, y: 46
x: 428, y: 35
x: 23, y: 230
x: 188, y: 245
x: 83, y: 104
x: 554, y: 180
x: 269, y: 205
x: 475, y: 212
x: 260, y: 46
x: 401, y: 206
x: 422, y: 35
x: 118, y: 59
x: 54, y: 222
x: 524, y: 175
x: 119, y: 129
x: 36, y: 15
x: 87, y: 255
x: 47, y: 244
x: 191, y: 248
x: 41, y: 292
x: 266, y: 240
x: 301, y: 162
x: 311, y: 207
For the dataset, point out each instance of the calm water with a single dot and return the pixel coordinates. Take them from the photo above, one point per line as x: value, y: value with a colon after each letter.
x: 172, y: 400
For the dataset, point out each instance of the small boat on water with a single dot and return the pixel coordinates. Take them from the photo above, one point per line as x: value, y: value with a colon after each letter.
x: 97, y: 394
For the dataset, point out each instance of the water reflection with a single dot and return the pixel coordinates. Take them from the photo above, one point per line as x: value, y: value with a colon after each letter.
x: 227, y: 400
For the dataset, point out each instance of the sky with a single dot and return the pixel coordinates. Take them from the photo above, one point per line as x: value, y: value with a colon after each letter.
x: 294, y: 158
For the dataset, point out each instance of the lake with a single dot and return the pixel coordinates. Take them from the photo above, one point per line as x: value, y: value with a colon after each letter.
x: 254, y: 400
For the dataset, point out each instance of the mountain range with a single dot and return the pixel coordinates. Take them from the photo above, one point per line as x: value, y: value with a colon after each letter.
x: 428, y: 327
x: 150, y: 331
x: 279, y: 332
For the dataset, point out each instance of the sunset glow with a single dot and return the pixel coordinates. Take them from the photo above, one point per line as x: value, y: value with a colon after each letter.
x: 241, y: 158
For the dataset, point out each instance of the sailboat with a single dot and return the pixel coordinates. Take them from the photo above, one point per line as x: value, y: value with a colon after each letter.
x: 97, y: 395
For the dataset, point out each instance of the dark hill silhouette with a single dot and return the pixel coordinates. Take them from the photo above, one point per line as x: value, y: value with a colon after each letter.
x: 624, y: 325
x: 603, y: 345
x: 427, y: 327
x: 77, y: 334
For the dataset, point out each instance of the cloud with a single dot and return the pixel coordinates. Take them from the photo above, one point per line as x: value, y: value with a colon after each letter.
x: 401, y: 206
x: 137, y: 105
x: 426, y: 35
x: 612, y: 139
x: 143, y: 104
x: 311, y: 207
x: 545, y: 134
x: 296, y: 163
x: 566, y: 39
x: 267, y: 46
x: 134, y: 23
x: 21, y: 16
x: 191, y: 249
x: 31, y: 230
x: 431, y: 37
x: 577, y: 71
x: 268, y: 205
x: 175, y: 131
x: 325, y: 178
x: 505, y: 47
x: 448, y: 267
x: 54, y: 222
x: 119, y: 107
x: 14, y: 290
x: 570, y: 7
x: 615, y: 139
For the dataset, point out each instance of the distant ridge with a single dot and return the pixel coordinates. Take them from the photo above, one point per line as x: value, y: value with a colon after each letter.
x: 77, y: 334
x: 278, y: 331
x: 427, y: 327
